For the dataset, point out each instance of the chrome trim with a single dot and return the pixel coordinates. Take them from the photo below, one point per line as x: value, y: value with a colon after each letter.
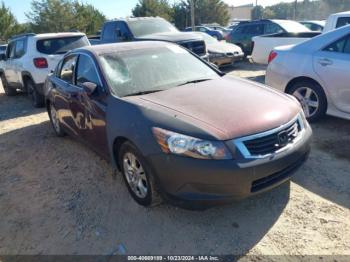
x: 239, y: 142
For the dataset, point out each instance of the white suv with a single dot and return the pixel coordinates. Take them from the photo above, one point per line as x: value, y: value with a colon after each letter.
x: 29, y: 58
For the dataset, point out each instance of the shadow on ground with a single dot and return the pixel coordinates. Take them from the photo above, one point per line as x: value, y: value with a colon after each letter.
x: 16, y: 106
x: 64, y: 200
x: 330, y: 145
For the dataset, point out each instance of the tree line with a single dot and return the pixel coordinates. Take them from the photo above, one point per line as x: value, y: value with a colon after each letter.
x: 47, y: 16
x: 305, y: 10
x: 179, y: 13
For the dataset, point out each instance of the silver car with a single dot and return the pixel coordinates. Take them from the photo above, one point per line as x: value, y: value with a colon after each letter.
x: 316, y: 72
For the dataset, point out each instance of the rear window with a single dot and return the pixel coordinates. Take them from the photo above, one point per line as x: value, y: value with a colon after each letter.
x: 61, y: 45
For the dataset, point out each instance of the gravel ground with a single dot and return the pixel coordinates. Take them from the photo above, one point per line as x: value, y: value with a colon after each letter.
x: 58, y: 197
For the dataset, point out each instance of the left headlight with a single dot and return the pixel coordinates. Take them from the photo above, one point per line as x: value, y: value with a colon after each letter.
x: 175, y: 143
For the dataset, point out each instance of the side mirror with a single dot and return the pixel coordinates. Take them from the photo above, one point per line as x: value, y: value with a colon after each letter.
x: 2, y: 57
x: 89, y: 87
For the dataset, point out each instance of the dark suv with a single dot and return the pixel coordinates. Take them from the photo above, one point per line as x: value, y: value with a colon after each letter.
x: 151, y: 29
x: 242, y: 34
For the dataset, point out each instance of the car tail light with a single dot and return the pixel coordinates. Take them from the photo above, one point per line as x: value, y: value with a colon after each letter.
x: 227, y: 37
x: 40, y: 62
x: 272, y: 56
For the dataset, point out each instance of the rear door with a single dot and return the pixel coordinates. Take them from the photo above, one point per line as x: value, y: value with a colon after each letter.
x: 92, y: 107
x: 17, y: 61
x: 67, y: 95
x: 249, y: 32
x: 9, y: 69
x: 332, y: 65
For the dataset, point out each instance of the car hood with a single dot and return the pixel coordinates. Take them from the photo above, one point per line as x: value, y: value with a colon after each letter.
x: 225, y: 108
x: 172, y: 36
x: 221, y: 47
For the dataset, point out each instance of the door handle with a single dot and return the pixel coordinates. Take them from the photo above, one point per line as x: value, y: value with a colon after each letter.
x: 325, y: 62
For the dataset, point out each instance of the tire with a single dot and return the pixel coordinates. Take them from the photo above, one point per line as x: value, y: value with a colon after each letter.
x: 312, y: 99
x: 145, y: 179
x: 9, y: 91
x: 55, y: 122
x: 36, y: 98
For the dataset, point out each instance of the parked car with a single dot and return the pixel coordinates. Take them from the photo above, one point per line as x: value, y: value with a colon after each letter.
x: 174, y: 125
x: 214, y: 33
x: 224, y: 30
x: 337, y: 20
x: 242, y: 35
x: 316, y: 72
x: 30, y: 57
x: 314, y: 25
x: 222, y: 53
x: 264, y: 44
x: 150, y: 29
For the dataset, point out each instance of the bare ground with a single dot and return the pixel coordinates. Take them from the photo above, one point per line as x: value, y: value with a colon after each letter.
x: 59, y: 197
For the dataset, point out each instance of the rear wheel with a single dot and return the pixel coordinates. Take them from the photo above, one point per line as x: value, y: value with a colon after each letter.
x: 56, y: 124
x: 36, y: 98
x: 138, y: 176
x: 9, y: 91
x: 312, y: 99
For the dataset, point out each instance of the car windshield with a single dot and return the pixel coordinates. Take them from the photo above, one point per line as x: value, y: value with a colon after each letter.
x: 61, y: 45
x: 150, y: 26
x: 153, y: 69
x: 292, y: 26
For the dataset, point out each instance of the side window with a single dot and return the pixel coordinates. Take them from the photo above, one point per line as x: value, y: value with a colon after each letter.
x: 239, y: 29
x: 109, y: 32
x: 10, y: 52
x: 338, y: 46
x: 202, y: 29
x: 272, y: 28
x: 347, y: 46
x: 257, y: 29
x: 20, y: 48
x: 68, y: 67
x: 86, y: 71
x: 58, y: 69
x: 342, y: 21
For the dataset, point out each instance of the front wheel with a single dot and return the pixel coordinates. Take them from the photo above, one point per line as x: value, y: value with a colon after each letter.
x: 312, y: 99
x: 138, y: 176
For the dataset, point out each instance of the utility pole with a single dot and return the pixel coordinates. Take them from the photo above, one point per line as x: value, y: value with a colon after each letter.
x: 192, y: 15
x: 295, y: 10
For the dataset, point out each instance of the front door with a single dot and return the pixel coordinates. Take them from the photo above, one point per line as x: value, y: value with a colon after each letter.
x: 332, y: 65
x: 91, y: 108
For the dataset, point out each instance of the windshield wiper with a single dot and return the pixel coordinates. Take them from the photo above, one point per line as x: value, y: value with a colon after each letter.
x: 195, y: 81
x: 143, y: 93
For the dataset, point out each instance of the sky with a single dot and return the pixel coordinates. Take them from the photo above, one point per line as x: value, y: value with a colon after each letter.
x: 116, y: 8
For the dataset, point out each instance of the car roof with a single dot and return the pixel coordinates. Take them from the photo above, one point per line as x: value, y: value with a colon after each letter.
x: 127, y: 19
x: 98, y: 50
x: 346, y: 13
x: 47, y: 35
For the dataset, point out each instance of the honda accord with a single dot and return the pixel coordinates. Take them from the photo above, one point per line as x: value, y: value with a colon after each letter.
x: 175, y: 126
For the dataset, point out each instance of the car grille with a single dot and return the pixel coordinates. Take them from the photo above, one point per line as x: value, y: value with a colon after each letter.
x: 271, y: 143
x: 264, y: 144
x: 197, y: 47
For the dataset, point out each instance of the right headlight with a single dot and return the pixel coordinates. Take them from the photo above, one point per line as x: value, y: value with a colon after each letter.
x: 179, y: 144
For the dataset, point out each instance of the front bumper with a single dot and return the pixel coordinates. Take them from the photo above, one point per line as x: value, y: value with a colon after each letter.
x: 225, y: 60
x: 221, y: 181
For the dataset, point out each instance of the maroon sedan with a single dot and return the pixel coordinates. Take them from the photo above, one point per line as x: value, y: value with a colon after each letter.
x: 174, y: 125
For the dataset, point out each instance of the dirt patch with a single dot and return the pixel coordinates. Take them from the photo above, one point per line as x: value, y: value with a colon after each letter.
x: 59, y: 197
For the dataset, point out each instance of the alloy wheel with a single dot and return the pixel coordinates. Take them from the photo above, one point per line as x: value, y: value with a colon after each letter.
x: 135, y: 175
x: 308, y: 99
x: 54, y: 119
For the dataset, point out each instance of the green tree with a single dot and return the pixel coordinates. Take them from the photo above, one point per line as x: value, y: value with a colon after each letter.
x: 160, y: 8
x: 64, y: 15
x: 206, y: 12
x: 257, y: 12
x: 8, y: 24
